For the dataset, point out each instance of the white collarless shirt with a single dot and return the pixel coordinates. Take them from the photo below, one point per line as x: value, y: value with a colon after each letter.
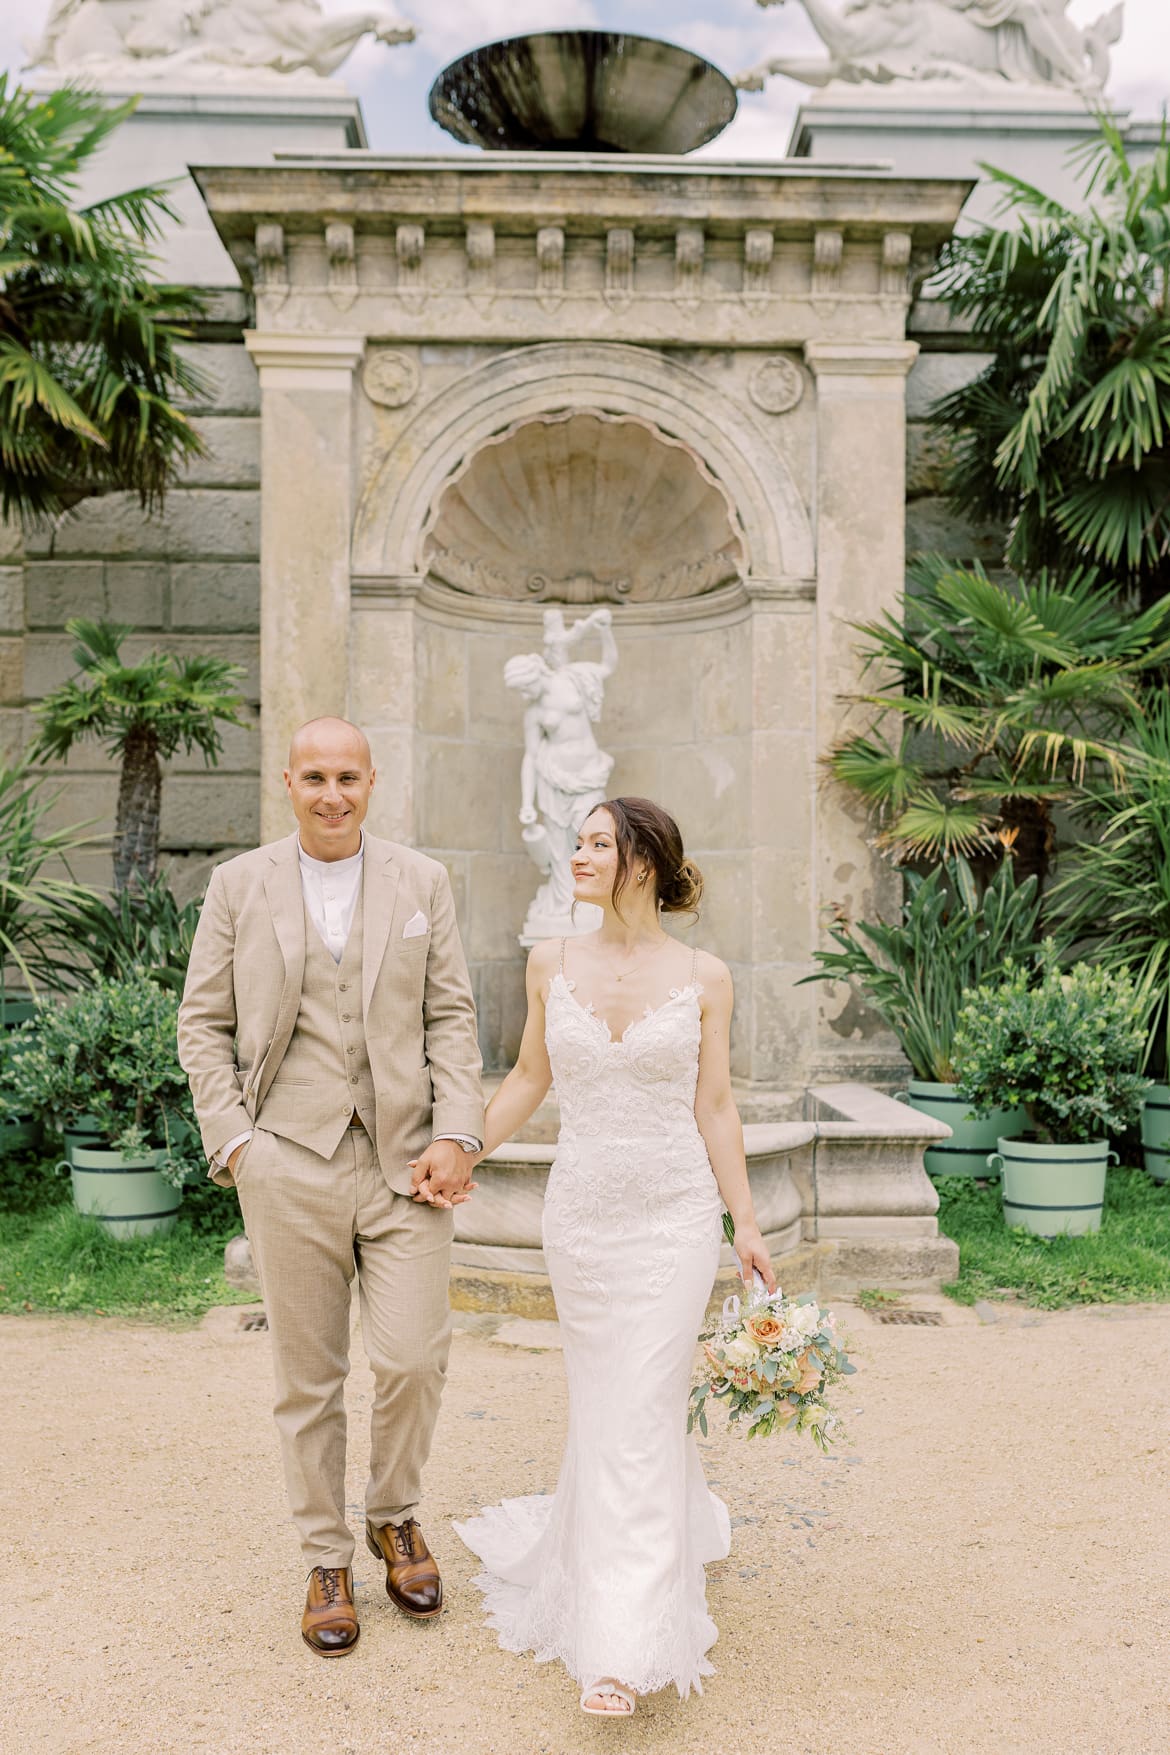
x: 331, y: 888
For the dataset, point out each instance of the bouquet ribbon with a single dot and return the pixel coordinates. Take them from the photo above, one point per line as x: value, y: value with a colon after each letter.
x: 731, y: 1304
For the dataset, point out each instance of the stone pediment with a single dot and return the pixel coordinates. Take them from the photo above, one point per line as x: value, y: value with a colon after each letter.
x: 583, y: 507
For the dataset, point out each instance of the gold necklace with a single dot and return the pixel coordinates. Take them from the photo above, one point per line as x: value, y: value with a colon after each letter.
x: 664, y: 940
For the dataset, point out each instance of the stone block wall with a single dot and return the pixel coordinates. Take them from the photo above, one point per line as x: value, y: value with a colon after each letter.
x: 949, y: 358
x: 186, y: 579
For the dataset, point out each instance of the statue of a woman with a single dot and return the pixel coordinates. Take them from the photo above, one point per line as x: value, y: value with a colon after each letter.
x: 563, y: 774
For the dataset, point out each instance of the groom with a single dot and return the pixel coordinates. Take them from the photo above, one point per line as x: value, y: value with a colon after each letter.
x: 328, y: 1031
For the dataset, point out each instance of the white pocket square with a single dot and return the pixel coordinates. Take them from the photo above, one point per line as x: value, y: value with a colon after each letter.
x: 416, y: 926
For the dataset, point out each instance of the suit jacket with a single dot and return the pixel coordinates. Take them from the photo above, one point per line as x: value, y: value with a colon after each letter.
x: 243, y: 992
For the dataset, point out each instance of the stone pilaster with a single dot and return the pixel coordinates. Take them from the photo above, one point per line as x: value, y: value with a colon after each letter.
x: 387, y: 697
x: 860, y: 539
x: 306, y: 385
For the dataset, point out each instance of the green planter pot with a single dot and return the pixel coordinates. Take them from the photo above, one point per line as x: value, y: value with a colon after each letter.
x: 1051, y: 1190
x: 84, y: 1132
x: 972, y: 1138
x: 16, y: 1011
x: 126, y: 1195
x: 1156, y: 1132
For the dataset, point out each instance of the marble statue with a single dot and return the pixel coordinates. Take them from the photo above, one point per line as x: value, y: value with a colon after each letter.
x: 564, y: 774
x: 974, y: 42
x: 173, y: 41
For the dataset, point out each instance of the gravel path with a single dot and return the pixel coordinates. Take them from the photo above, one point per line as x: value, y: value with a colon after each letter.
x: 982, y: 1569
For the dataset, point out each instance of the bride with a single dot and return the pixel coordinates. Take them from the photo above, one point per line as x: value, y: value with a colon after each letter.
x: 607, y: 1574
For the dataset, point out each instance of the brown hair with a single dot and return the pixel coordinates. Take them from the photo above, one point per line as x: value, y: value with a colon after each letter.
x: 644, y: 831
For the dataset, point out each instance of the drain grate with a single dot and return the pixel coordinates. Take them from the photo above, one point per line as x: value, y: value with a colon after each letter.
x: 911, y: 1318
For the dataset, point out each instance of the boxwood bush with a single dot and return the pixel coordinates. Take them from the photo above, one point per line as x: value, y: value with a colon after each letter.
x: 1066, y: 1044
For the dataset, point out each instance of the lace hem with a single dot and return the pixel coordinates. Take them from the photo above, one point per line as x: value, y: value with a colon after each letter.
x: 531, y: 1611
x: 504, y: 1611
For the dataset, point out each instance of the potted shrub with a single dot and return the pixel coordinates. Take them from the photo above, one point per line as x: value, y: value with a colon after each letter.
x: 950, y: 938
x: 1065, y: 1047
x: 108, y: 1058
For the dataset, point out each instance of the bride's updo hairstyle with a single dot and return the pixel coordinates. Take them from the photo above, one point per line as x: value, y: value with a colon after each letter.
x: 645, y: 833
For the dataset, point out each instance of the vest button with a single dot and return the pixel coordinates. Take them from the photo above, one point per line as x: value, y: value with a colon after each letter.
x: 345, y: 1018
x: 353, y: 1078
x: 343, y: 986
x: 351, y: 1051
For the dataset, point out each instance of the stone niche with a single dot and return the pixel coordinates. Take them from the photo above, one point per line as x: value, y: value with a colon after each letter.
x: 676, y: 389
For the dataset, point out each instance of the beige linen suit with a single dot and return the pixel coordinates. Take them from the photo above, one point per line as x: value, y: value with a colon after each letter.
x: 277, y: 1037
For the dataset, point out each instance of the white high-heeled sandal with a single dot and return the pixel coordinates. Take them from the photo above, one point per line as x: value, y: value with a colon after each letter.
x: 607, y: 1687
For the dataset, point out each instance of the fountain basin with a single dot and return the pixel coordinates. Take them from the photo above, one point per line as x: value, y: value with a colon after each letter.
x: 841, y: 1194
x: 582, y: 91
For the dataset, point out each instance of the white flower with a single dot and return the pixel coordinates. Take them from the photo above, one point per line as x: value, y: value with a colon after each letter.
x: 805, y: 1319
x: 741, y: 1351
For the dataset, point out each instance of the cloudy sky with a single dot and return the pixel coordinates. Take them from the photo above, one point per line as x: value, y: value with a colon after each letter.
x: 734, y: 34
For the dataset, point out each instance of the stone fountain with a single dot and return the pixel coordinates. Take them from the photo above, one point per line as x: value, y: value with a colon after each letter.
x: 583, y: 91
x: 606, y: 377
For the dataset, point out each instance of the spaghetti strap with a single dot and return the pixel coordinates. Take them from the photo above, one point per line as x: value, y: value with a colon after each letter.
x: 694, y: 964
x: 561, y: 964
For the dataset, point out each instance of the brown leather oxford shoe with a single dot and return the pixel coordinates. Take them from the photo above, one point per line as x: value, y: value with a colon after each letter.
x: 412, y: 1577
x: 329, y: 1624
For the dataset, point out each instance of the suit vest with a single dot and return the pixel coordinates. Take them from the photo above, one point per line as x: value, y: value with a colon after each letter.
x: 325, y: 1074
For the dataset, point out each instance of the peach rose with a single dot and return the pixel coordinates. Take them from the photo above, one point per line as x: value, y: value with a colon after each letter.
x: 765, y: 1330
x: 712, y: 1357
x: 810, y: 1374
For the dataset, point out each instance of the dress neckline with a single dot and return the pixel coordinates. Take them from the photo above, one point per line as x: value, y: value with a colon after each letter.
x: 690, y: 991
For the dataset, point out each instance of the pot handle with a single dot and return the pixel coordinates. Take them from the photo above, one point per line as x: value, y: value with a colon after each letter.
x: 62, y: 1164
x: 1112, y: 1157
x: 995, y: 1161
x: 901, y: 1096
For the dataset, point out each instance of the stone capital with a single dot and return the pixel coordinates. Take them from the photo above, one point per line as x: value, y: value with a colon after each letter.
x: 304, y: 362
x: 860, y: 368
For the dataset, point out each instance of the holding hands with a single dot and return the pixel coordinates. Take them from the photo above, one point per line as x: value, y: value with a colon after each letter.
x: 442, y: 1176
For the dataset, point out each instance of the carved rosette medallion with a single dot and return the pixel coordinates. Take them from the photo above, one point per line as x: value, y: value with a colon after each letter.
x: 776, y: 385
x: 390, y: 378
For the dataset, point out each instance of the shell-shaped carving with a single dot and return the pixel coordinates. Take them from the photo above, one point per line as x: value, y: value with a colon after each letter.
x: 583, y: 506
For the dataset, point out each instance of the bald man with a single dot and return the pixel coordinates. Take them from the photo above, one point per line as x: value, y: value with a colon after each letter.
x: 328, y: 1031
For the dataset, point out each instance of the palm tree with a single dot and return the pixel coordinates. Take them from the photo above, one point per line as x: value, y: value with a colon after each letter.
x: 1114, y: 900
x: 90, y: 360
x: 1065, y: 438
x: 36, y: 907
x: 1003, y: 697
x: 143, y: 713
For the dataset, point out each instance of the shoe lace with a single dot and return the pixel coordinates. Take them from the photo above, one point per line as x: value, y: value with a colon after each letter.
x: 330, y: 1578
x: 404, y: 1537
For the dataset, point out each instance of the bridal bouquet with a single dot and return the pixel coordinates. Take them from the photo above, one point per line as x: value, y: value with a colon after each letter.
x: 772, y: 1360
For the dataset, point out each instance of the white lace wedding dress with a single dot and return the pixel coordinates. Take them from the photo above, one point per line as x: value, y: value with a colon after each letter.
x: 607, y: 1573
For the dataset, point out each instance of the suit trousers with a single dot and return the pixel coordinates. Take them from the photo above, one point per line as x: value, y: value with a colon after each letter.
x: 313, y: 1223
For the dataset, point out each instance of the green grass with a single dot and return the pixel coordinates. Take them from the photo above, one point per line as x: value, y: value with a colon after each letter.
x: 53, y: 1260
x: 1128, y: 1260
